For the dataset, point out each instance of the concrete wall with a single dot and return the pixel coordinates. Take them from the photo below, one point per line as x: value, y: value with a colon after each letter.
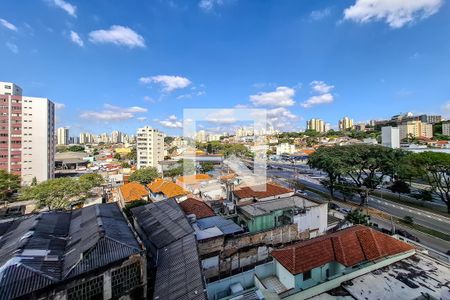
x: 246, y: 249
x: 316, y: 217
x: 284, y: 276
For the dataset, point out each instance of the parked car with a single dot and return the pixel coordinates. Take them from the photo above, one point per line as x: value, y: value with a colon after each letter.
x: 333, y: 206
x: 344, y: 210
x: 407, y: 235
x: 301, y: 193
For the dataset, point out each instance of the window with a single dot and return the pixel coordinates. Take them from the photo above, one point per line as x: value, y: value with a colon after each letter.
x: 91, y: 289
x: 124, y: 279
x: 8, y: 87
x: 307, y: 275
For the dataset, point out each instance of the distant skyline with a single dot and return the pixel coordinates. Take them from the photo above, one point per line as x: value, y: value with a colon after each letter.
x: 119, y: 65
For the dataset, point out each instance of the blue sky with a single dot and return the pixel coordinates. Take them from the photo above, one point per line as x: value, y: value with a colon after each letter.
x: 113, y: 64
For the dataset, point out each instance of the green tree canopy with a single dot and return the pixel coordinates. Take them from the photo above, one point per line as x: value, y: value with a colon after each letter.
x: 8, y: 183
x: 144, y: 175
x: 60, y: 192
x: 435, y: 168
x: 357, y: 216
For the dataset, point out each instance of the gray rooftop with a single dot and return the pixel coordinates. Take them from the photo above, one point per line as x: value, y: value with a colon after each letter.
x: 178, y: 273
x: 227, y: 226
x: 266, y: 207
x: 46, y: 248
x: 163, y: 222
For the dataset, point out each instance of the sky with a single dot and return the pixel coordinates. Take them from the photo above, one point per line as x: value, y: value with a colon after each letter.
x: 119, y: 65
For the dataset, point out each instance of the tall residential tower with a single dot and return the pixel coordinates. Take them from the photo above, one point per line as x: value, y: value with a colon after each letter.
x: 150, y: 147
x: 27, y: 134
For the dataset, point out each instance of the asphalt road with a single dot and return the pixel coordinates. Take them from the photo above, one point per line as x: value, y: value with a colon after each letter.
x: 424, y: 218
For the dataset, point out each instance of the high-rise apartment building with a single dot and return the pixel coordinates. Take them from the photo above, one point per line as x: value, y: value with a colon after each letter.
x: 63, y: 136
x: 345, y: 124
x: 390, y: 137
x: 316, y: 124
x: 415, y: 129
x: 150, y: 147
x: 27, y: 134
x: 116, y: 137
x: 446, y: 128
x: 87, y: 138
x: 433, y: 119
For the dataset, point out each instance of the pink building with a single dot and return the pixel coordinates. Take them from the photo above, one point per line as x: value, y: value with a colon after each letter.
x: 27, y: 141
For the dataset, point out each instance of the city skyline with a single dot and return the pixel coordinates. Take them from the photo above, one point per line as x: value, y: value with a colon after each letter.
x: 145, y: 68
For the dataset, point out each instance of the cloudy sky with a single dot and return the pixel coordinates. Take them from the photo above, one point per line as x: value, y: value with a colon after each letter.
x: 111, y: 64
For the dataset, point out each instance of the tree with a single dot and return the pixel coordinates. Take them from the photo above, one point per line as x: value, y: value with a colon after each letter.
x: 144, y: 175
x: 89, y: 181
x: 8, y: 184
x: 209, y: 148
x: 365, y: 166
x: 435, y: 168
x: 75, y: 148
x: 125, y: 165
x: 117, y: 156
x: 408, y: 220
x: 357, y: 216
x: 53, y: 194
x: 34, y: 181
x: 206, y: 166
x: 324, y: 160
x: 400, y: 187
x: 59, y: 193
x: 132, y: 155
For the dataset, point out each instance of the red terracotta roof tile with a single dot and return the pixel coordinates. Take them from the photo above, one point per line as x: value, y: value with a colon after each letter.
x: 192, y: 179
x: 168, y: 188
x: 271, y: 190
x: 348, y: 247
x: 197, y: 207
x: 133, y: 191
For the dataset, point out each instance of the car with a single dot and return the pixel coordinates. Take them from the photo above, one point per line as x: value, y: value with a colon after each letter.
x: 344, y: 210
x: 407, y: 235
x: 333, y: 206
x: 301, y: 192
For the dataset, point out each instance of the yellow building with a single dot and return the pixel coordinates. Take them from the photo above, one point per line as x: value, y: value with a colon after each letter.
x: 345, y: 124
x: 316, y: 124
x: 416, y: 129
x: 122, y: 151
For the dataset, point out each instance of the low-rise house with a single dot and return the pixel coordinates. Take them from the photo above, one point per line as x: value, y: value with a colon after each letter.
x: 312, y: 267
x: 171, y: 249
x: 132, y: 191
x: 192, y: 182
x: 215, y: 226
x: 89, y: 253
x: 161, y: 189
x: 309, y: 215
x: 250, y: 194
x: 197, y: 208
x: 212, y: 190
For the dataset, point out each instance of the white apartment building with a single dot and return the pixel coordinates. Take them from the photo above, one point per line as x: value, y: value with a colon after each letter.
x: 390, y: 137
x: 63, y: 136
x: 87, y: 138
x: 116, y: 137
x: 150, y: 147
x: 345, y: 124
x: 285, y: 148
x: 38, y: 139
x: 415, y: 129
x: 10, y: 88
x: 316, y: 124
x: 446, y: 129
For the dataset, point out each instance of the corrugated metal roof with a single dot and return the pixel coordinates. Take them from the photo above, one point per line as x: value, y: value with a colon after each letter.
x: 227, y: 226
x: 48, y: 247
x: 178, y: 274
x: 163, y: 222
x: 267, y: 207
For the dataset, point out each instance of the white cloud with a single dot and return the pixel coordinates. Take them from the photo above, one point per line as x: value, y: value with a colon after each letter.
x: 169, y: 83
x: 118, y: 35
x: 75, y: 37
x: 171, y: 122
x: 67, y: 7
x: 141, y: 119
x: 8, y: 25
x: 319, y: 99
x: 317, y: 15
x: 209, y: 5
x: 59, y: 106
x: 12, y: 47
x: 282, y: 96
x: 222, y: 116
x: 321, y: 87
x: 396, y: 13
x: 113, y: 113
x: 446, y: 109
